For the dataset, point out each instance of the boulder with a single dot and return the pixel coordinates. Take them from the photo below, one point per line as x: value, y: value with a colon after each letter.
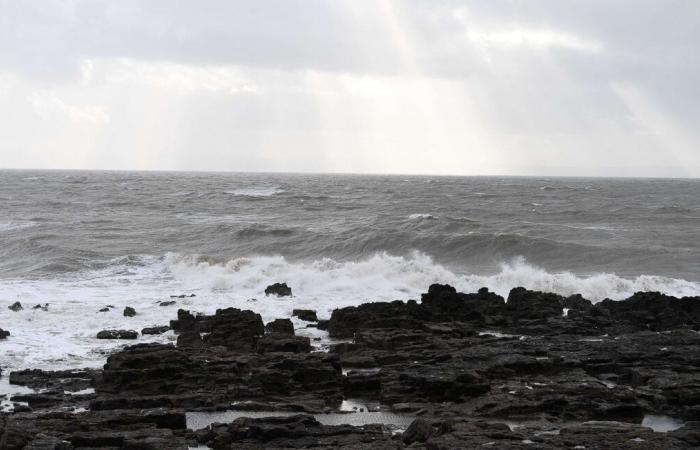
x: 129, y: 312
x: 280, y: 326
x: 419, y: 431
x: 117, y: 334
x: 16, y: 306
x: 4, y: 334
x: 279, y: 289
x: 155, y: 330
x: 307, y: 315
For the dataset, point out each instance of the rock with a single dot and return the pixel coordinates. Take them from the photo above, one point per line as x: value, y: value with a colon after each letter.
x: 298, y: 431
x: 458, y: 367
x: 104, y: 310
x: 44, y: 307
x: 167, y: 303
x: 419, y: 431
x: 183, y: 296
x: 307, y: 315
x: 524, y: 304
x: 235, y: 329
x: 279, y: 289
x: 117, y: 334
x: 4, y: 334
x: 280, y: 326
x: 16, y: 306
x: 129, y: 312
x: 283, y: 343
x: 190, y: 339
x: 155, y: 330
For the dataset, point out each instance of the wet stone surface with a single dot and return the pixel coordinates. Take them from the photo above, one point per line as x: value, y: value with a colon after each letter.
x: 449, y: 371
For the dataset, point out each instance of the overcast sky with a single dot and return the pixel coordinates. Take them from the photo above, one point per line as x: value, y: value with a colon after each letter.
x: 557, y: 87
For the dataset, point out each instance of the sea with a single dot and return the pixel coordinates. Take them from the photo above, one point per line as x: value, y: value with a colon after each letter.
x: 80, y: 240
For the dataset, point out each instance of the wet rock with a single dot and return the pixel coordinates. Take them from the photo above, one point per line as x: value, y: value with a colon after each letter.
x: 104, y: 310
x: 183, y: 296
x: 129, y: 312
x: 235, y: 329
x: 280, y: 326
x: 16, y: 306
x: 525, y: 304
x: 44, y: 307
x: 307, y: 315
x: 190, y: 339
x: 117, y: 334
x: 300, y: 431
x: 279, y: 289
x: 155, y: 330
x: 167, y: 303
x: 132, y: 429
x: 4, y: 334
x: 419, y: 431
x: 653, y: 310
x: 283, y: 343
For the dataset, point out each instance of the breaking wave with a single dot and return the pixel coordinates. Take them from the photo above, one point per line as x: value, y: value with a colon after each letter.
x: 387, y: 277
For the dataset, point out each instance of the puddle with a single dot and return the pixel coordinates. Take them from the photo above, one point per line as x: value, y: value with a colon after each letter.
x: 198, y: 420
x: 661, y: 424
x: 7, y: 390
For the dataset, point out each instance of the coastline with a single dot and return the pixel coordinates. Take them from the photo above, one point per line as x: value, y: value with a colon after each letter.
x: 449, y: 371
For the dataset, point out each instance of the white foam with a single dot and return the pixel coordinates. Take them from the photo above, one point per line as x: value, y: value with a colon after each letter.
x: 260, y: 191
x: 64, y: 336
x: 422, y: 216
x: 15, y: 225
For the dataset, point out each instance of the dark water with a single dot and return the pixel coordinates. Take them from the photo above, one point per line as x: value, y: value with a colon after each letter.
x: 60, y: 222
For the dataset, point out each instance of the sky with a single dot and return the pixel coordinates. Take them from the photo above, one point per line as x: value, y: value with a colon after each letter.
x: 489, y: 87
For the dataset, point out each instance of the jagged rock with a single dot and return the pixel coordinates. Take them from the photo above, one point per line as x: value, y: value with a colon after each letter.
x: 155, y: 330
x: 283, y: 343
x: 4, y: 334
x: 419, y: 431
x: 235, y: 329
x: 280, y: 326
x: 44, y: 307
x: 524, y: 304
x: 129, y: 312
x: 167, y: 303
x: 104, y: 310
x: 279, y: 289
x: 190, y: 339
x: 117, y: 334
x: 307, y: 315
x: 16, y: 306
x: 299, y: 431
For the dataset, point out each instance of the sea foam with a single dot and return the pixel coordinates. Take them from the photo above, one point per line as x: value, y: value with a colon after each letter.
x: 64, y: 336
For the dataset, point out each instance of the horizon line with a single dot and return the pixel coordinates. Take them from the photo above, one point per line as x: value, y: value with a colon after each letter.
x: 386, y: 174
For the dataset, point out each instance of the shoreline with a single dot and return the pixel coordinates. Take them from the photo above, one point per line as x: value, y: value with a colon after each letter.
x: 452, y: 370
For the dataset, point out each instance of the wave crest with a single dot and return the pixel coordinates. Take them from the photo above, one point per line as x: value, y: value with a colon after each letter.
x: 387, y: 277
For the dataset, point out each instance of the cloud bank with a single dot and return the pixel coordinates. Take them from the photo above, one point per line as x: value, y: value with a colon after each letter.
x: 381, y: 86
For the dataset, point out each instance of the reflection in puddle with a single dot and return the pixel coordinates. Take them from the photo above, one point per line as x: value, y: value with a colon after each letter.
x: 197, y: 420
x: 661, y: 424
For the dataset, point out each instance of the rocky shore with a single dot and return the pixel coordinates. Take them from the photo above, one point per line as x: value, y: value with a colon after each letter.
x: 450, y: 371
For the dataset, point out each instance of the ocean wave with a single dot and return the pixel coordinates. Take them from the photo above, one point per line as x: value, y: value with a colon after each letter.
x: 387, y: 277
x: 261, y: 191
x: 141, y: 281
x: 11, y: 226
x: 422, y: 216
